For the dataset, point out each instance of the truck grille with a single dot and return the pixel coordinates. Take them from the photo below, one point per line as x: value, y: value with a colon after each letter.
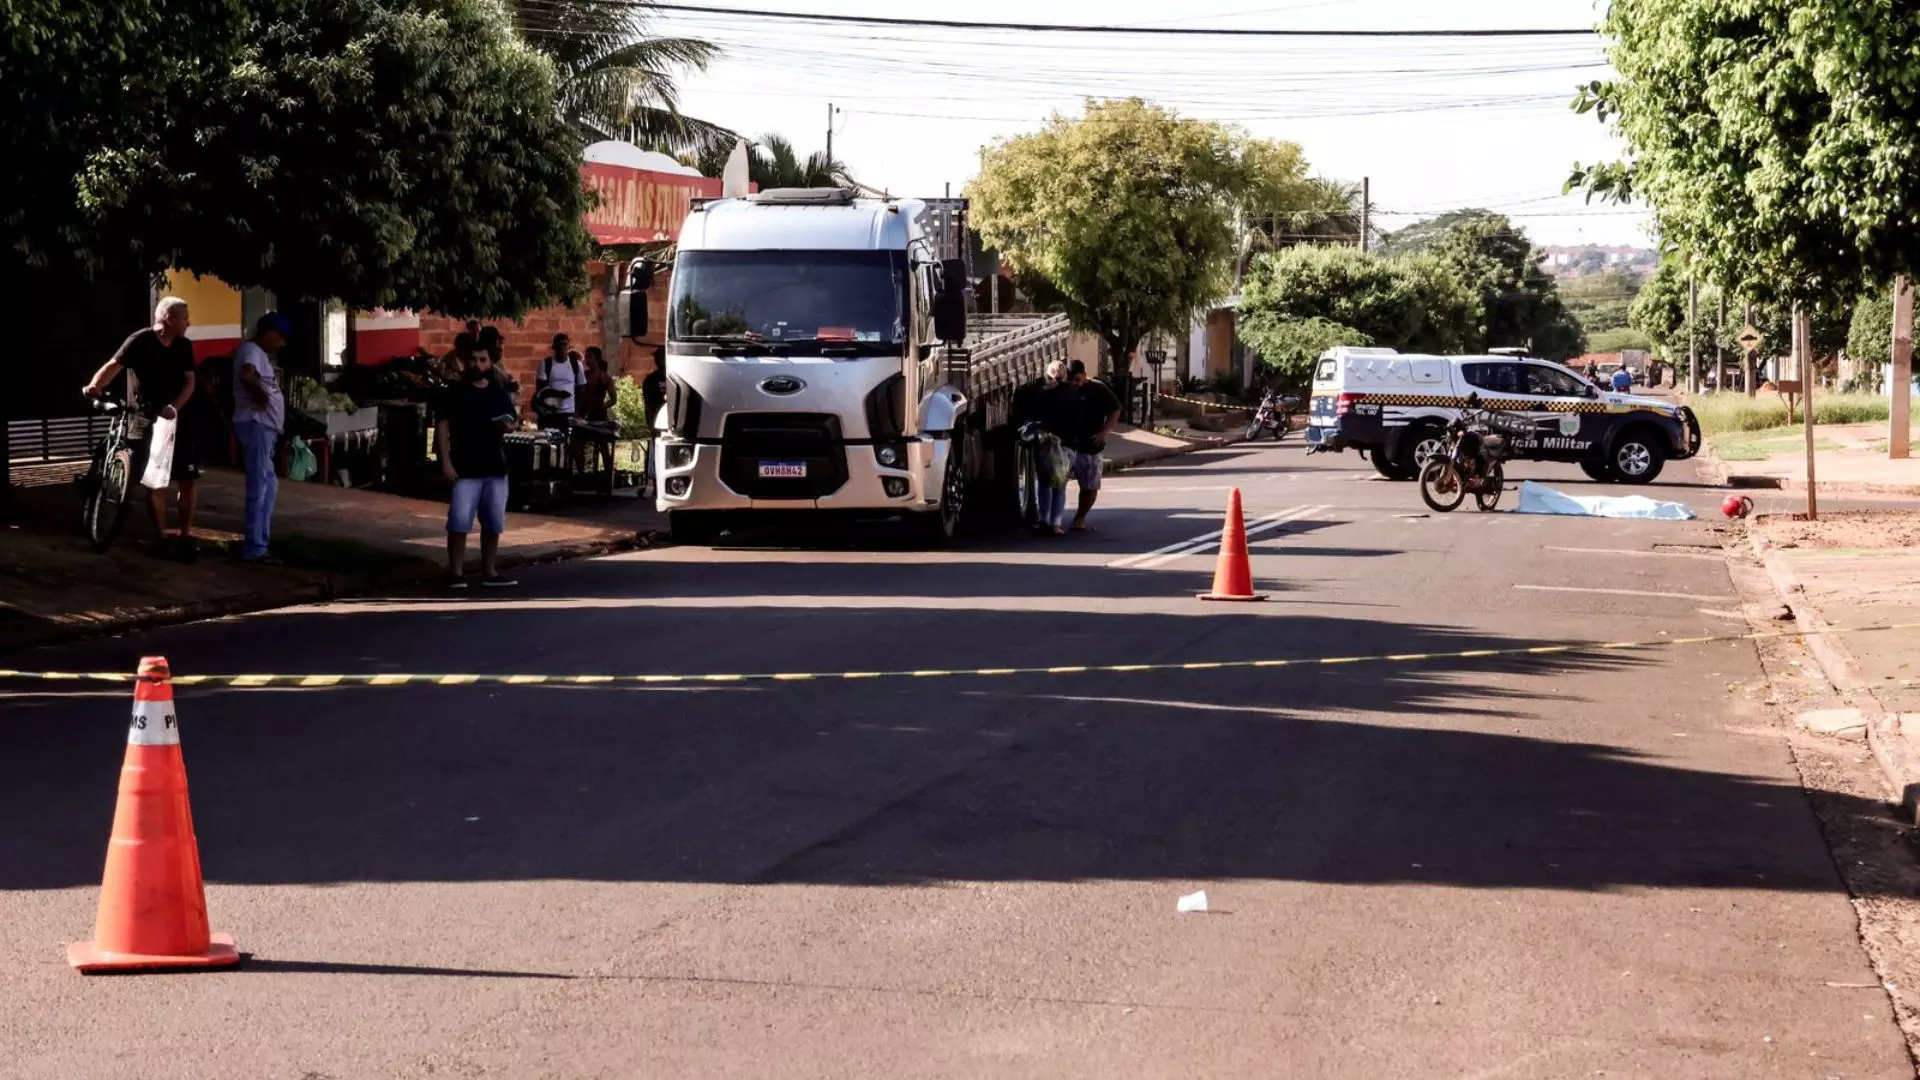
x: 812, y: 439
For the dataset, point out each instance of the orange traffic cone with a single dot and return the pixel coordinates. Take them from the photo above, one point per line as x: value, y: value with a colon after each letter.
x: 1232, y: 577
x: 153, y: 909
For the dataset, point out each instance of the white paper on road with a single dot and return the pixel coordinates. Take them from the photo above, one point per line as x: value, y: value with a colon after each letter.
x: 1541, y: 499
x: 1192, y: 902
x: 160, y: 456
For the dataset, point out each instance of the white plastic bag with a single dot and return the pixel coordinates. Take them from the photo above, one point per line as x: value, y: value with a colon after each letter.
x: 160, y: 455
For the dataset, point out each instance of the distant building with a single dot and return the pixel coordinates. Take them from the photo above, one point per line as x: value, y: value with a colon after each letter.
x: 1594, y: 259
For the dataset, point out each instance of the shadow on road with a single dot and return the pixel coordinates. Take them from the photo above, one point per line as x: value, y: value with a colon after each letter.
x: 1174, y: 775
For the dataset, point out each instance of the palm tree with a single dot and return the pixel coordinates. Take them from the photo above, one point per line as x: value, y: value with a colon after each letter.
x: 615, y: 80
x: 772, y: 162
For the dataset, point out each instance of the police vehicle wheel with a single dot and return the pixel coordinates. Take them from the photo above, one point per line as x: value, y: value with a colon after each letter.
x: 1441, y: 487
x: 1381, y: 465
x: 1637, y: 458
x: 1598, y: 470
x: 1420, y: 445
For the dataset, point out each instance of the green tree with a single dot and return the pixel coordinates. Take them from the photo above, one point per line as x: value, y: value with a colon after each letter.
x: 772, y: 162
x: 384, y: 153
x: 78, y: 78
x: 1127, y: 211
x: 1518, y: 301
x: 1289, y: 348
x: 1870, y: 332
x: 614, y: 80
x: 1412, y: 303
x: 1777, y: 141
x: 1282, y: 205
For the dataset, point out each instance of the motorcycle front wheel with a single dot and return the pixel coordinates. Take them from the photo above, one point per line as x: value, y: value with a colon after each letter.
x: 1253, y: 431
x: 1495, y: 482
x: 1441, y: 486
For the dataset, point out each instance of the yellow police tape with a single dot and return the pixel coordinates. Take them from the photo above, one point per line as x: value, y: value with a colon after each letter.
x: 249, y: 682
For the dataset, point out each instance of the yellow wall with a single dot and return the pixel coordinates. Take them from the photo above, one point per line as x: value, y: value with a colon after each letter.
x: 210, y: 301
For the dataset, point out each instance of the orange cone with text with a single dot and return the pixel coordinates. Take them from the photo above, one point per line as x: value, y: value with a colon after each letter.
x: 153, y: 908
x: 1232, y: 577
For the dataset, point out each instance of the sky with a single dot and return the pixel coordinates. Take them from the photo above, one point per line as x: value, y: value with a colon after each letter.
x: 1436, y: 124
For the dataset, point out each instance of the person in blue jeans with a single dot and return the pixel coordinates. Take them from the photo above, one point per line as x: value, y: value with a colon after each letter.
x: 476, y: 412
x: 259, y: 416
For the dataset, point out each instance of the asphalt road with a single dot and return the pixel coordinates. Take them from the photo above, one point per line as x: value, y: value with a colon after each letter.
x: 1558, y: 865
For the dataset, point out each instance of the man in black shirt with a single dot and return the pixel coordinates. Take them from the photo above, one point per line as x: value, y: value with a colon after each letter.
x: 476, y: 412
x: 159, y: 361
x: 1099, y: 412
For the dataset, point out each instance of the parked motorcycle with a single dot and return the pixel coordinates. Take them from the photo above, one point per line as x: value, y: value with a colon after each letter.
x: 1275, y: 414
x: 1477, y: 443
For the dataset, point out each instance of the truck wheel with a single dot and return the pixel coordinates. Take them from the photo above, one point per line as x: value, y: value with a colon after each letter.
x: 1638, y: 457
x: 693, y: 526
x: 1598, y: 470
x: 938, y: 527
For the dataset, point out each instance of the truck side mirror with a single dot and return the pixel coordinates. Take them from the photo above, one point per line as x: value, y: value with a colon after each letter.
x: 632, y: 312
x: 950, y: 307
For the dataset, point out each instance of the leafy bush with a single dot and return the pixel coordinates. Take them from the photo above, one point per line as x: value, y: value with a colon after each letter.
x: 1289, y: 348
x: 629, y: 409
x: 1721, y: 413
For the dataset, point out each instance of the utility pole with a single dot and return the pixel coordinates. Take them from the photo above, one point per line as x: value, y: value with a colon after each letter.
x: 1693, y: 339
x: 830, y: 111
x: 1900, y: 384
x: 1366, y: 211
x: 1803, y: 367
x: 1746, y: 360
x: 1719, y: 350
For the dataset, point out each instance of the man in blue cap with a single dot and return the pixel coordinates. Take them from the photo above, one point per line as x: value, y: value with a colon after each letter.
x: 259, y: 416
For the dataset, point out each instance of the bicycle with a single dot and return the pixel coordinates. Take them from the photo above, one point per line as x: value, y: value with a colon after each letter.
x: 108, y: 475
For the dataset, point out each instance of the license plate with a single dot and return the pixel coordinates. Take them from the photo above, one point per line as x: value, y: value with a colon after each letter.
x: 783, y: 470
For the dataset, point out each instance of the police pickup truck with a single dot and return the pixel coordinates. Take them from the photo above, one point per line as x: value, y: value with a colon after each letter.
x: 1395, y: 407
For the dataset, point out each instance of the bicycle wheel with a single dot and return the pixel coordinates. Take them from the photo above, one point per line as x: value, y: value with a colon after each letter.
x: 106, y: 499
x: 1488, y: 497
x: 1441, y: 487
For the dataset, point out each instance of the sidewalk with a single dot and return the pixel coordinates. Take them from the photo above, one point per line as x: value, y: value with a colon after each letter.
x: 1850, y: 570
x: 1131, y: 446
x: 1848, y: 459
x: 335, y: 541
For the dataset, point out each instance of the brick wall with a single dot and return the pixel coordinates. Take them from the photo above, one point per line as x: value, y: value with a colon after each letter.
x: 530, y: 341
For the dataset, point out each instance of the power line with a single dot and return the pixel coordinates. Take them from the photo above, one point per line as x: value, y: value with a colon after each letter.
x: 1068, y: 28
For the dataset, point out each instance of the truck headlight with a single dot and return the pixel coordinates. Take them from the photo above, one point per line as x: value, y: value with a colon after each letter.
x: 891, y: 456
x: 679, y: 455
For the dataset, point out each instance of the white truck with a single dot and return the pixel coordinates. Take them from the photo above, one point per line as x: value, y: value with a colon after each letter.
x: 819, y: 360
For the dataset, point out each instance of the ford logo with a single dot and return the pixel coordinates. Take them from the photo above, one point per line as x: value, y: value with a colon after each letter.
x: 783, y: 384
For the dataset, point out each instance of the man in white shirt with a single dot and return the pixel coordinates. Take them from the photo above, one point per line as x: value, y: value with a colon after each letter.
x: 259, y: 416
x: 560, y: 372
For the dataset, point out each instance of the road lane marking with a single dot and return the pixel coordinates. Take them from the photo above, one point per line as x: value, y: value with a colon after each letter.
x: 1710, y: 556
x: 1623, y: 592
x: 1204, y: 538
x: 257, y: 680
x: 1196, y: 545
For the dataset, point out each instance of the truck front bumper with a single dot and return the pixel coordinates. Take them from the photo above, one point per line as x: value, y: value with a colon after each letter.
x: 699, y: 481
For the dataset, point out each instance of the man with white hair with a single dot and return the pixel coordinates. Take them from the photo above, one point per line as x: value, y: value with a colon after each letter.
x: 159, y: 363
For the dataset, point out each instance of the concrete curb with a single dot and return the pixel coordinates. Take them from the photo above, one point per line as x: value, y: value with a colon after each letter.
x: 335, y: 587
x: 1898, y: 758
x: 1820, y: 487
x: 1110, y: 466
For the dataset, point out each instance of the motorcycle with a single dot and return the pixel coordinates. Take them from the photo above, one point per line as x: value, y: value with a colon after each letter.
x: 1275, y: 414
x: 1470, y: 465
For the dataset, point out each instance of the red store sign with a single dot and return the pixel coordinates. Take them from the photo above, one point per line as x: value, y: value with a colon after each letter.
x: 638, y: 206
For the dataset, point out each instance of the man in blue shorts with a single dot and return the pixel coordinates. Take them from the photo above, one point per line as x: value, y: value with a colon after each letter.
x: 474, y: 415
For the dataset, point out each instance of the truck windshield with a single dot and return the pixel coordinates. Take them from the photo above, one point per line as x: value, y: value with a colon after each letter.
x: 775, y: 296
